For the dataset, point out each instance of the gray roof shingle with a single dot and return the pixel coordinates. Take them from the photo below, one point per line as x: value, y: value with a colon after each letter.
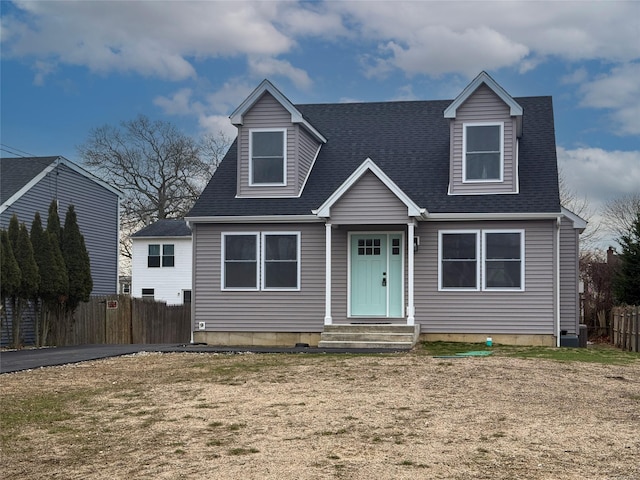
x: 15, y: 173
x: 165, y: 228
x: 410, y: 142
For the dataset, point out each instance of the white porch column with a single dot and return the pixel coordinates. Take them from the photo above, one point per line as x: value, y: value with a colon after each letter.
x: 327, y: 269
x: 411, y: 310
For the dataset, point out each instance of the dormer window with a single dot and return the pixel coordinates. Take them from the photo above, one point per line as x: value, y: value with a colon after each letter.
x: 483, y: 152
x: 268, y: 157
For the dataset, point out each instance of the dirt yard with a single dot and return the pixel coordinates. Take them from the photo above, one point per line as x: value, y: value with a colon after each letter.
x: 403, y: 416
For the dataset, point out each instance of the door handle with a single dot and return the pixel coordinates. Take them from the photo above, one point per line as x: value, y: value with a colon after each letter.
x: 384, y: 279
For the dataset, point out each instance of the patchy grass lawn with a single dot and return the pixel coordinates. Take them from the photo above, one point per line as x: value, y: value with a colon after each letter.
x: 530, y: 413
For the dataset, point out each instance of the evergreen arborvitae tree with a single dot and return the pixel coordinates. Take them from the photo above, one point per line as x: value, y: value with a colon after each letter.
x: 9, y: 270
x: 30, y: 277
x: 54, y: 282
x: 53, y: 221
x: 76, y: 258
x: 627, y: 280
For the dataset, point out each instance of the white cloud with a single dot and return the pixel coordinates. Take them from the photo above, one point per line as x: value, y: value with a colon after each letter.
x: 270, y: 67
x: 179, y: 103
x: 149, y: 38
x: 618, y: 91
x: 439, y: 32
x: 215, y: 124
x: 432, y: 38
x: 600, y: 175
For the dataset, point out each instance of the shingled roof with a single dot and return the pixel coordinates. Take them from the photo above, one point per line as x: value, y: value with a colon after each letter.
x: 165, y: 228
x: 409, y: 141
x: 15, y: 173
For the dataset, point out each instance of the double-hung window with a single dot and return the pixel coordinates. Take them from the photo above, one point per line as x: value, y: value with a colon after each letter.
x: 499, y: 267
x: 503, y: 255
x: 267, y: 261
x: 280, y: 252
x: 483, y: 152
x: 240, y: 261
x: 155, y: 259
x: 268, y: 157
x: 459, y: 267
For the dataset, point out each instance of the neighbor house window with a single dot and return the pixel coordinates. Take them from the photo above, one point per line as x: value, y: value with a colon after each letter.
x: 148, y: 293
x: 483, y: 152
x: 267, y: 261
x: 503, y: 255
x: 458, y: 253
x: 167, y: 255
x: 280, y: 260
x: 268, y: 157
x: 167, y: 259
x: 240, y: 254
x: 153, y: 260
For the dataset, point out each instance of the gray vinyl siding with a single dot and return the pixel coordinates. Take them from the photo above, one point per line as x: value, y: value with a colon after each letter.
x: 369, y: 201
x: 259, y: 311
x: 483, y: 106
x: 307, y: 151
x: 97, y: 212
x: 569, y: 299
x: 486, y: 312
x: 266, y: 113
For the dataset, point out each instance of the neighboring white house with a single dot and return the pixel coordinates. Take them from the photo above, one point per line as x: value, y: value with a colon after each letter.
x: 161, y: 263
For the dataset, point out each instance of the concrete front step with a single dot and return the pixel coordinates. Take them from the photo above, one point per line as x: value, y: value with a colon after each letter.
x: 376, y: 345
x: 369, y: 336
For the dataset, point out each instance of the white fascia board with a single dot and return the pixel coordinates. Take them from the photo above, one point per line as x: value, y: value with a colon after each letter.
x: 256, y: 219
x: 237, y: 117
x: 161, y: 237
x: 483, y: 77
x: 368, y: 165
x: 578, y: 222
x: 461, y: 217
x: 28, y: 186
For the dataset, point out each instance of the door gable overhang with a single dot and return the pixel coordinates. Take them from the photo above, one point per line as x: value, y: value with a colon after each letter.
x: 413, y: 210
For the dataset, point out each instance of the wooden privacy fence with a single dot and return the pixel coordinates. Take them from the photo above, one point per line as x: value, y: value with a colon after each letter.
x: 122, y: 319
x: 626, y: 327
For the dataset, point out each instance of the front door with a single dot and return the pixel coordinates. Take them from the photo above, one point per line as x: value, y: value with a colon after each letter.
x: 376, y: 275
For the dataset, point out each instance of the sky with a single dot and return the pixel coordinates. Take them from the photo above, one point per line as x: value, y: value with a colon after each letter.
x: 69, y: 67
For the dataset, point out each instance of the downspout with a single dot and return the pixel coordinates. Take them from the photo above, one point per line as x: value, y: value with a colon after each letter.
x: 193, y: 283
x: 557, y: 277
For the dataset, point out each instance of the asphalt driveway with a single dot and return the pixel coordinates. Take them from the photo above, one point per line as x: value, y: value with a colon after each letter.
x: 28, y: 359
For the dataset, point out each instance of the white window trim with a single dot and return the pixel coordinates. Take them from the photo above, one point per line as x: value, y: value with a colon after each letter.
x: 464, y: 151
x: 260, y: 260
x: 223, y: 236
x: 263, y: 258
x: 161, y: 255
x: 284, y: 159
x: 478, y: 260
x: 522, y: 261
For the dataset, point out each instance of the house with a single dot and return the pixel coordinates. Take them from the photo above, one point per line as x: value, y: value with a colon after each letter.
x: 437, y: 220
x: 29, y: 185
x: 161, y: 262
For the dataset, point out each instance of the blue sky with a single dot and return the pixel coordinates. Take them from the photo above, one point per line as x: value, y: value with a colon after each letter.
x: 68, y: 67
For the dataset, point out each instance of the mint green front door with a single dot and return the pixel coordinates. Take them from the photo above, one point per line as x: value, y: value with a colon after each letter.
x: 376, y: 275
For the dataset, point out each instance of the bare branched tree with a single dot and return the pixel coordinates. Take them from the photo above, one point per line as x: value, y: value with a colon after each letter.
x: 161, y: 170
x: 581, y: 206
x: 213, y: 148
x: 620, y: 214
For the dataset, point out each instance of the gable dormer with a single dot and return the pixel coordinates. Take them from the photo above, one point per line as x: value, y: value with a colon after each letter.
x: 276, y: 145
x: 485, y: 124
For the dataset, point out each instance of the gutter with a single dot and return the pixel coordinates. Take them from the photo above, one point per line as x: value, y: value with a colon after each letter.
x: 256, y: 219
